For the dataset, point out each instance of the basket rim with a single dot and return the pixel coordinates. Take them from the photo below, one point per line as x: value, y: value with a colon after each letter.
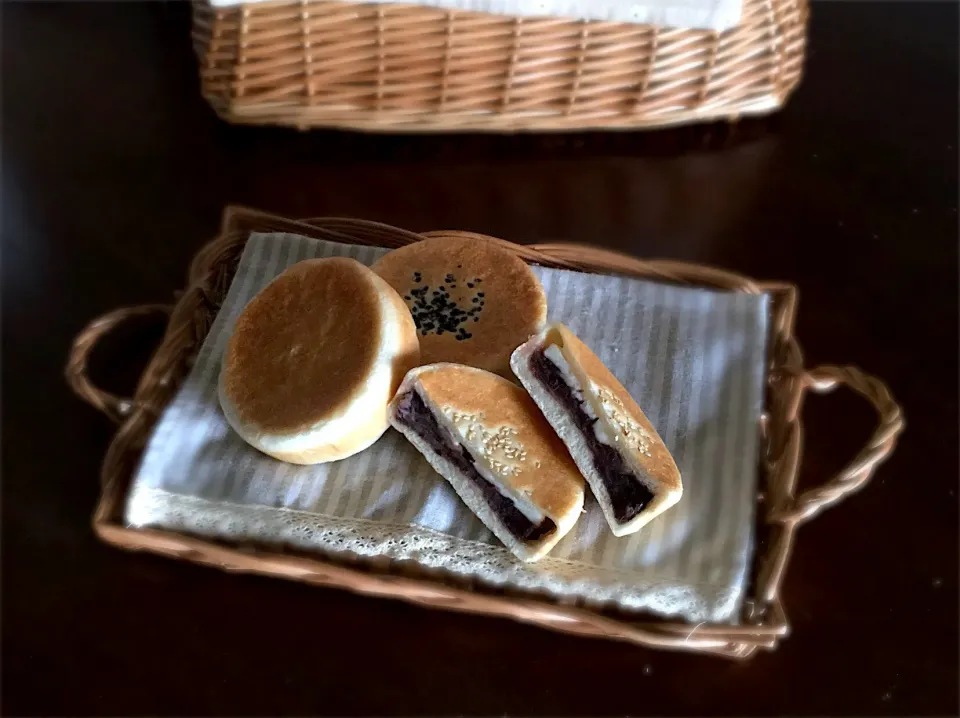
x: 764, y: 619
x: 264, y: 63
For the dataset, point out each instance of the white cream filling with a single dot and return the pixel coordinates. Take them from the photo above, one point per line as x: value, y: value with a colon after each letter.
x: 369, y: 402
x: 467, y: 432
x: 523, y: 504
x: 600, y: 427
x: 609, y: 427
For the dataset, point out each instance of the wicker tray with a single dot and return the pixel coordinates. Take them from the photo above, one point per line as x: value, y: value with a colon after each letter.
x: 318, y: 63
x: 781, y: 512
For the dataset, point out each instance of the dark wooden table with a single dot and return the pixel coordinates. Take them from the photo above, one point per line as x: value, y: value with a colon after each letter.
x: 115, y: 172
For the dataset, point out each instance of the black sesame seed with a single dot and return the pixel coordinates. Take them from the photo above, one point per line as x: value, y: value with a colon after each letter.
x: 440, y: 312
x: 479, y: 294
x: 470, y: 284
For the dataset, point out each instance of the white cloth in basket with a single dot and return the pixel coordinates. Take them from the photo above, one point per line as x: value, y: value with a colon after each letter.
x: 693, y: 358
x: 692, y: 14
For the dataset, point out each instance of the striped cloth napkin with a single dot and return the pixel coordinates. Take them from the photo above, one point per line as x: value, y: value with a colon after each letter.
x: 693, y: 358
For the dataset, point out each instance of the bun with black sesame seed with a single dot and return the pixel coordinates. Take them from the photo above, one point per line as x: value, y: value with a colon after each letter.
x: 314, y: 360
x: 472, y: 299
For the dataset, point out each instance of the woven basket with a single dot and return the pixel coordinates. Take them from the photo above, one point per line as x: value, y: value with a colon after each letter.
x: 316, y: 63
x: 781, y: 512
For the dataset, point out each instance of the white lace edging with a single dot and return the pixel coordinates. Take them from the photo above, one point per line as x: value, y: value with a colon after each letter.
x: 349, y: 538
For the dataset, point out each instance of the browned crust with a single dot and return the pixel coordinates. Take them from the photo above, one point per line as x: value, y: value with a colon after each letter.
x: 659, y: 464
x: 547, y: 474
x: 408, y: 356
x: 303, y: 345
x: 512, y: 306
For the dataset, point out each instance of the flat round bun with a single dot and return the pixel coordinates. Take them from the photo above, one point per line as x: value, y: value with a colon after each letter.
x: 314, y: 360
x: 473, y: 300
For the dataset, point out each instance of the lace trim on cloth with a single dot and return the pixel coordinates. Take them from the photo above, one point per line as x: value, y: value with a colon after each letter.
x: 345, y: 538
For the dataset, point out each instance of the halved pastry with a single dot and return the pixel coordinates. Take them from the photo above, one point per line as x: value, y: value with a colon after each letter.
x: 486, y: 437
x: 632, y: 474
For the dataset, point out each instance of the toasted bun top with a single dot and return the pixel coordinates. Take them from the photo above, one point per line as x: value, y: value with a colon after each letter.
x: 499, y: 421
x: 304, y: 345
x: 623, y: 412
x: 473, y: 300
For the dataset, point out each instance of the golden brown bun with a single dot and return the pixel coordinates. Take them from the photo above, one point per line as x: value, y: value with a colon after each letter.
x: 469, y: 288
x: 314, y: 360
x: 506, y: 434
x: 633, y: 434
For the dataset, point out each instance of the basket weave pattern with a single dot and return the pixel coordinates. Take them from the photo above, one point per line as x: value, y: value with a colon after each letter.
x: 782, y: 511
x: 322, y: 63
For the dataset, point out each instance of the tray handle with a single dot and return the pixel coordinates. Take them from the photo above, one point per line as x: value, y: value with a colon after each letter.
x: 115, y: 407
x: 825, y: 379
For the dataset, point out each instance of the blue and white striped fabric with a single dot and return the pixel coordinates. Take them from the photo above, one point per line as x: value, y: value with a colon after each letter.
x: 694, y: 359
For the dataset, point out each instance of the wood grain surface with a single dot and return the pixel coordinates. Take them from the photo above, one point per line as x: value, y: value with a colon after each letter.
x: 115, y: 172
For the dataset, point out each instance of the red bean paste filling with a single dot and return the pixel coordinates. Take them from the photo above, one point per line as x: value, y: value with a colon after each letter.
x: 415, y: 414
x: 628, y: 495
